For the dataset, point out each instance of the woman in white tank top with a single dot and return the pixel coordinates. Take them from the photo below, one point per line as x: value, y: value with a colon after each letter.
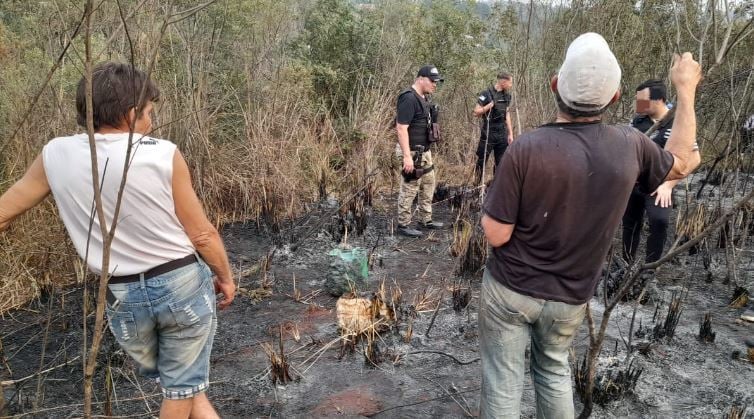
x: 161, y: 222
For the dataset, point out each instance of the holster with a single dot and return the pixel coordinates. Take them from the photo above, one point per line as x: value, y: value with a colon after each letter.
x: 417, y: 173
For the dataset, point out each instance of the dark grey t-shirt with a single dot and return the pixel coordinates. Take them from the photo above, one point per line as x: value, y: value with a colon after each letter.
x: 565, y: 187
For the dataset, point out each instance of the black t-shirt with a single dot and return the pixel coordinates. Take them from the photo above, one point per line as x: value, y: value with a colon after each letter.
x: 498, y: 128
x: 565, y: 187
x: 643, y: 123
x: 412, y: 110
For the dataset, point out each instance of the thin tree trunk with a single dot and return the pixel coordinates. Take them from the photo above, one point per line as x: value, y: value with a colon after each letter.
x: 596, y: 341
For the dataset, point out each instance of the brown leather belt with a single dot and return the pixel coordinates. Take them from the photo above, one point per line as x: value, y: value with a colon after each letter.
x: 157, y: 270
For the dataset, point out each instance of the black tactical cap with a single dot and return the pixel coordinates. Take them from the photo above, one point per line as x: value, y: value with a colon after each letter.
x: 431, y: 72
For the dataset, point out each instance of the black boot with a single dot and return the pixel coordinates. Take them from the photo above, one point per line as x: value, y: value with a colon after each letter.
x: 431, y: 225
x: 409, y: 232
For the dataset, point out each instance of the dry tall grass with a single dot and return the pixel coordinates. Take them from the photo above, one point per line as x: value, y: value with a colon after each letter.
x: 283, y: 154
x: 34, y: 252
x: 241, y: 106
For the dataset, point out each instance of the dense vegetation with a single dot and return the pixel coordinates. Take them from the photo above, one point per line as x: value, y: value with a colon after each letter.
x: 277, y: 103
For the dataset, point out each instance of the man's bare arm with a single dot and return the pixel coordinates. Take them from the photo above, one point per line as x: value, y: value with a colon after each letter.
x: 510, y: 127
x: 497, y: 233
x: 29, y: 191
x: 480, y: 111
x: 402, y: 131
x: 685, y: 75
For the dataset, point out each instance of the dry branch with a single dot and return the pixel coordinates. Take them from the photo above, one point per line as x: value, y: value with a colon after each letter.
x: 596, y: 340
x: 458, y: 361
x: 20, y: 380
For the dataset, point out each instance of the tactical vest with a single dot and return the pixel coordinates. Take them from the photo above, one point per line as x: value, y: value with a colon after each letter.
x: 418, y: 130
x: 498, y: 127
x: 643, y: 123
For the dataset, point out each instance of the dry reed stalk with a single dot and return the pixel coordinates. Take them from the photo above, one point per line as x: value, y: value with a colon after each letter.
x: 409, y: 331
x: 426, y: 300
x: 461, y: 236
x: 461, y: 295
x: 737, y: 412
x: 473, y: 259
x: 291, y: 329
x: 740, y: 298
x: 256, y: 294
x: 279, y: 367
x: 693, y: 222
x: 31, y: 254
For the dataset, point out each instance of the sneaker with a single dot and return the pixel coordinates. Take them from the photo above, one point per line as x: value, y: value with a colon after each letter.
x: 409, y: 232
x: 748, y: 316
x: 431, y: 225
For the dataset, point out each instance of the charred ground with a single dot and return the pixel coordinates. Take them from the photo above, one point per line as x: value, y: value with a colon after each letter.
x: 403, y: 371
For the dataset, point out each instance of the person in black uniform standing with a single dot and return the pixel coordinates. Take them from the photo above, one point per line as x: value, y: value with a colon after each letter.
x: 416, y: 127
x: 496, y: 132
x: 651, y: 106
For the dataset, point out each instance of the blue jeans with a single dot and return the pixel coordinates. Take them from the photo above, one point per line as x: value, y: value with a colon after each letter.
x: 167, y: 324
x: 508, y: 321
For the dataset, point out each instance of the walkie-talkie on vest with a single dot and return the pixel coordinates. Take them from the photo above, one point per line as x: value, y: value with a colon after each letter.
x: 434, y: 126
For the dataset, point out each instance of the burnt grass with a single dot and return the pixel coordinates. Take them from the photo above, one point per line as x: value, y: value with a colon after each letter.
x: 408, y: 373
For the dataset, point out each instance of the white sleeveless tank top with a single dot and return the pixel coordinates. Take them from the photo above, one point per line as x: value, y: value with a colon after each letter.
x: 148, y: 233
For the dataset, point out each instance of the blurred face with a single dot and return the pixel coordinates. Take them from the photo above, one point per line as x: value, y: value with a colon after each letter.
x: 646, y: 106
x: 427, y: 85
x: 505, y: 84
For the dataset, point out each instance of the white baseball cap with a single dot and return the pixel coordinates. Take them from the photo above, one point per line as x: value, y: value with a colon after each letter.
x: 590, y: 74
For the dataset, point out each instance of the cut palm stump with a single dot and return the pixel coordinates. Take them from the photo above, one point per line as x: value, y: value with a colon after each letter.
x: 360, y: 313
x: 362, y: 317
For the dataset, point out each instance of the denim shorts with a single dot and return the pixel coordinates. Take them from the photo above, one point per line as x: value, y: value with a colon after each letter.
x: 167, y: 324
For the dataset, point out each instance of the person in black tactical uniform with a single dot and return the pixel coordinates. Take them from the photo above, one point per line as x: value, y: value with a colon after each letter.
x: 416, y: 126
x: 496, y: 133
x: 651, y: 107
x: 747, y: 135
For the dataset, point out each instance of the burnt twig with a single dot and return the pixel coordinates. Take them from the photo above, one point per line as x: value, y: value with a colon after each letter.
x: 705, y: 329
x: 445, y: 354
x: 421, y: 402
x: 434, y: 315
x: 20, y: 380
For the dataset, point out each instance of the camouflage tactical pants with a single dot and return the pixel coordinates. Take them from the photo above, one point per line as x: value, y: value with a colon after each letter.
x: 424, y: 187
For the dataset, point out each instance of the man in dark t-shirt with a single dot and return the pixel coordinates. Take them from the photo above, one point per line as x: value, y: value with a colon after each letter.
x: 651, y: 107
x: 550, y: 215
x: 413, y: 125
x: 496, y: 133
